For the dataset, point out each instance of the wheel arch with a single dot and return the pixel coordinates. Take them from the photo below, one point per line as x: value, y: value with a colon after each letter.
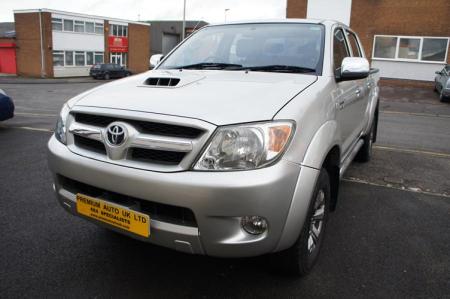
x: 323, y: 151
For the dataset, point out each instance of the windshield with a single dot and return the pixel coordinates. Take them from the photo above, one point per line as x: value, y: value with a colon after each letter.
x: 277, y: 47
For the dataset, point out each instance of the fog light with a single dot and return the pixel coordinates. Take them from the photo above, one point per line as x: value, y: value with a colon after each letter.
x: 254, y: 225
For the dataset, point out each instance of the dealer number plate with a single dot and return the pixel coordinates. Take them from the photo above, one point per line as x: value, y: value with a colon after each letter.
x: 113, y: 214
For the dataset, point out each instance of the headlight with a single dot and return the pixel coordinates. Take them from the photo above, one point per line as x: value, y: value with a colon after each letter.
x: 244, y: 147
x: 60, y: 130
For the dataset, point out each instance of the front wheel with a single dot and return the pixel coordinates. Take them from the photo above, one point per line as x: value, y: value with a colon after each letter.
x: 299, y: 259
x: 442, y: 98
x: 106, y: 76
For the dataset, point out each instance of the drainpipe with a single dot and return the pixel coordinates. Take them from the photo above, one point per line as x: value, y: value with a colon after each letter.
x: 42, y: 45
x: 184, y: 21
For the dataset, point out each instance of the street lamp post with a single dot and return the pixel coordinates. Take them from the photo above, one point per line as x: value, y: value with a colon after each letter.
x: 226, y: 10
x: 184, y: 21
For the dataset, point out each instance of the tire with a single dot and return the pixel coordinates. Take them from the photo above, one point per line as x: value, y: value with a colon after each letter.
x: 365, y: 152
x: 441, y: 96
x: 299, y: 259
x: 106, y: 76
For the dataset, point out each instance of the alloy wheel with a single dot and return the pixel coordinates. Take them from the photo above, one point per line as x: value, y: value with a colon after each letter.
x: 316, y: 223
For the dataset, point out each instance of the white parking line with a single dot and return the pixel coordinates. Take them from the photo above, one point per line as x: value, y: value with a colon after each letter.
x: 28, y: 128
x: 414, y: 114
x: 411, y: 151
x: 406, y: 189
x: 35, y: 114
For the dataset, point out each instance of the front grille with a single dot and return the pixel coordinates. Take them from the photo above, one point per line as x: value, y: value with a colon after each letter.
x: 90, y: 144
x: 156, y: 211
x: 156, y: 156
x: 145, y: 127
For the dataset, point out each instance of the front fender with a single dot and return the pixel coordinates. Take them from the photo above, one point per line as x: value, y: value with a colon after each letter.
x: 323, y: 141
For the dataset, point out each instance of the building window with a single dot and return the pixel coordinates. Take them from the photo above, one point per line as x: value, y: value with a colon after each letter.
x: 57, y: 24
x: 68, y: 25
x: 408, y: 48
x: 118, y: 30
x: 98, y: 57
x: 76, y: 58
x: 434, y: 49
x: 99, y: 28
x: 69, y: 58
x: 385, y: 47
x: 79, y: 26
x: 79, y: 59
x: 411, y: 48
x: 90, y: 27
x: 58, y: 58
x: 89, y: 58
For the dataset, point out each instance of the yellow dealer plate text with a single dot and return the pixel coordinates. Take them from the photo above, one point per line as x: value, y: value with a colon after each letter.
x: 113, y: 214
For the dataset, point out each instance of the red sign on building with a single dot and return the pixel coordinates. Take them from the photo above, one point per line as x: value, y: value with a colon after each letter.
x: 118, y: 44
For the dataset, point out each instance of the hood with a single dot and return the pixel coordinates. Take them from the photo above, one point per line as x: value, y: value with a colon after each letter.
x: 218, y: 97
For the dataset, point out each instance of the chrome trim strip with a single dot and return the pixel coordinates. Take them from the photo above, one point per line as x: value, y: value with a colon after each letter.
x: 162, y: 143
x: 86, y: 131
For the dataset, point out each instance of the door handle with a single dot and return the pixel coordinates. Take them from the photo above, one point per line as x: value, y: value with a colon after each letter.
x: 369, y: 85
x: 341, y: 104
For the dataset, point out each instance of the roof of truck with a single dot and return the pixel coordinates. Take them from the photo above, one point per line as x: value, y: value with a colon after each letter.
x: 287, y: 21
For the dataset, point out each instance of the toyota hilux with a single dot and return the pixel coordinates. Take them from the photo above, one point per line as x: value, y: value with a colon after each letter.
x: 232, y: 146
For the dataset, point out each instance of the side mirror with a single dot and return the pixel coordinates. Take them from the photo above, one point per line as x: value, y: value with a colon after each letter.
x: 437, y: 72
x: 353, y: 68
x: 155, y: 60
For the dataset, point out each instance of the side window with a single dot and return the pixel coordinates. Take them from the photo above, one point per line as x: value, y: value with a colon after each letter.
x: 354, y: 44
x: 340, y: 50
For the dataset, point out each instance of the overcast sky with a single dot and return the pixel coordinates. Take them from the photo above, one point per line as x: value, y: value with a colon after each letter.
x: 209, y: 10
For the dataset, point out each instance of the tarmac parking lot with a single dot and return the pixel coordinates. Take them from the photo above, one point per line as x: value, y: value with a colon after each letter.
x: 388, y: 238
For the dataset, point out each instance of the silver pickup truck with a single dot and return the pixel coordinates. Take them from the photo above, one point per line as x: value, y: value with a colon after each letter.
x: 233, y: 146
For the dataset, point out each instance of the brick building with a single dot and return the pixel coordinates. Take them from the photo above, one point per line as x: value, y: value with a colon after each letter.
x: 53, y: 43
x: 405, y: 39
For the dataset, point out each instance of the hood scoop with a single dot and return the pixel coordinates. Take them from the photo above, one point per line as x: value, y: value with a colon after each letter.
x: 162, y: 81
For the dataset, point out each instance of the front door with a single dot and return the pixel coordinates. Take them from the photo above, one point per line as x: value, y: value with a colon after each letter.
x: 116, y: 58
x: 350, y: 97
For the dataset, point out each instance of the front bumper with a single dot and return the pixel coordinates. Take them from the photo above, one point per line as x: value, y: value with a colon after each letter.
x: 217, y: 199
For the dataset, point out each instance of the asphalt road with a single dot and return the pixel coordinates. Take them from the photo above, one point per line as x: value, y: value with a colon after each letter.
x: 390, y: 236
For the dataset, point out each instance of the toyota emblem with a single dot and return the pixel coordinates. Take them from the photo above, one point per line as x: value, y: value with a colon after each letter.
x: 116, y: 134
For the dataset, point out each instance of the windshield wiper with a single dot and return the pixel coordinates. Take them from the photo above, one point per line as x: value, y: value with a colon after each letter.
x: 208, y: 65
x: 281, y: 68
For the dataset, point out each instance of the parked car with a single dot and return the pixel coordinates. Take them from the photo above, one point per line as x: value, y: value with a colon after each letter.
x: 233, y: 146
x: 6, y: 106
x: 442, y: 83
x: 108, y: 71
